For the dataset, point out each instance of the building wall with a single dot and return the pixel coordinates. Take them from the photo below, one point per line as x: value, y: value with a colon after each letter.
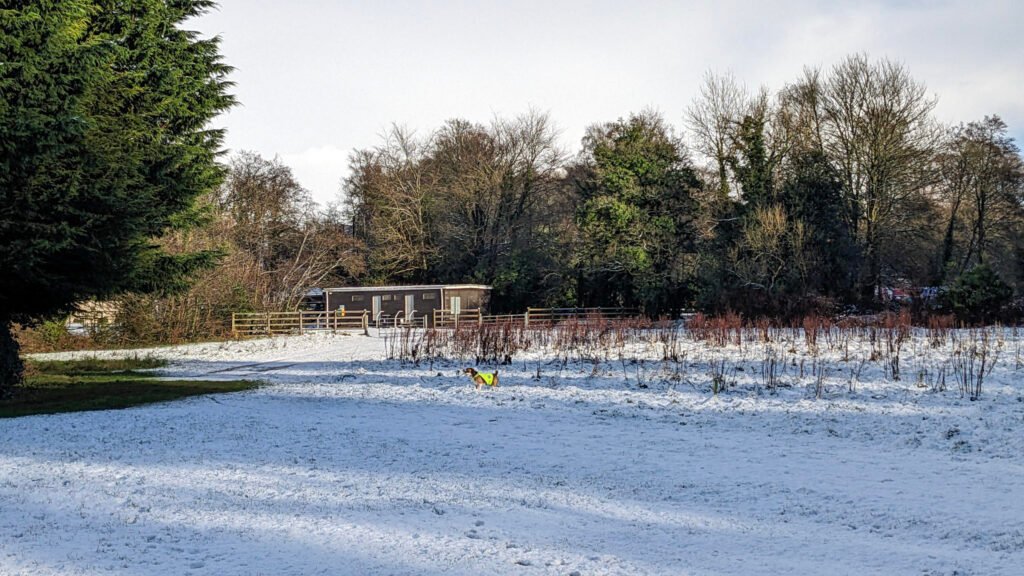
x: 93, y: 313
x: 472, y: 298
x: 392, y: 302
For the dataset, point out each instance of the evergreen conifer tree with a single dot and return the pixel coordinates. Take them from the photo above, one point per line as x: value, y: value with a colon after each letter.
x: 105, y: 143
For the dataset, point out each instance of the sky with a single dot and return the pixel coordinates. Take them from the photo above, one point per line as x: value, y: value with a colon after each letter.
x: 317, y: 79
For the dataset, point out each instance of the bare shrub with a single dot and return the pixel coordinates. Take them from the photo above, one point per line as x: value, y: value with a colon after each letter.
x: 770, y: 367
x: 938, y: 328
x: 717, y: 374
x: 855, y: 375
x: 972, y: 361
x: 719, y: 331
x: 406, y: 344
x: 937, y: 381
x: 699, y: 327
x: 764, y: 329
x: 667, y: 336
x: 819, y: 371
x: 811, y: 326
x: 895, y: 331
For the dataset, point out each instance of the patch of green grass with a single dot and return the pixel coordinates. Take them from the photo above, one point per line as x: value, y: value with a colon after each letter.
x: 93, y: 365
x: 92, y: 384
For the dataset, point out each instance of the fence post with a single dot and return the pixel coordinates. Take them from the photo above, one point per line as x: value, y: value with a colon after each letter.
x: 366, y: 323
x: 526, y: 318
x: 268, y: 324
x: 233, y: 329
x: 301, y: 327
x: 479, y: 317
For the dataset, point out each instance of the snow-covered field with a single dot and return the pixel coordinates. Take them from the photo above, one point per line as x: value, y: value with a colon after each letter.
x: 347, y: 463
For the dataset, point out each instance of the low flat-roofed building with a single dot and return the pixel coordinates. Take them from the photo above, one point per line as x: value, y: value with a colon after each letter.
x: 410, y: 302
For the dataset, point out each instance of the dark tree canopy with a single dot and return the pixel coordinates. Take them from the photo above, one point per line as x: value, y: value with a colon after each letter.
x: 469, y: 203
x: 105, y: 144
x: 635, y: 216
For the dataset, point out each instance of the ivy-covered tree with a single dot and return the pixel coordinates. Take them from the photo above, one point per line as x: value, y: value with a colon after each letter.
x: 636, y: 216
x: 785, y: 237
x: 761, y: 263
x: 752, y: 163
x: 812, y: 193
x: 105, y: 143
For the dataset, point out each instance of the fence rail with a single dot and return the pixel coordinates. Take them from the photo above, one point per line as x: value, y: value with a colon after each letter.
x: 533, y: 317
x: 550, y: 316
x: 450, y: 319
x: 268, y: 323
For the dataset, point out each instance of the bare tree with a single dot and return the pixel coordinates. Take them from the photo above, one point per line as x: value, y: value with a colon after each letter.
x: 713, y: 117
x: 800, y: 112
x: 982, y: 180
x: 263, y: 200
x: 772, y: 257
x: 389, y: 198
x: 471, y: 202
x: 288, y: 243
x: 875, y: 125
x: 496, y: 180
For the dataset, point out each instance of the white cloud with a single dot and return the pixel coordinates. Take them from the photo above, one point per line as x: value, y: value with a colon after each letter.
x: 319, y: 170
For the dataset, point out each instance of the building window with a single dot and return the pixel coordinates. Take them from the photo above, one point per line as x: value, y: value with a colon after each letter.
x: 357, y: 298
x: 386, y: 298
x: 430, y: 296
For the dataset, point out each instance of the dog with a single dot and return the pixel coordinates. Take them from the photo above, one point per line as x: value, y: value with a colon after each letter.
x: 482, y: 378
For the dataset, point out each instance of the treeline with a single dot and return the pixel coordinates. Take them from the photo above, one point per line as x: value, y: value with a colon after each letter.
x: 275, y: 243
x: 813, y: 199
x: 822, y: 195
x: 272, y: 241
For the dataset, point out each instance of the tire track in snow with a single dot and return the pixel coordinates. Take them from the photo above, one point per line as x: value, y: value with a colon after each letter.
x: 264, y: 366
x: 254, y: 370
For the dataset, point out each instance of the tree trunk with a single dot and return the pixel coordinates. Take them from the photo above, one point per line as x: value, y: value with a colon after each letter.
x: 871, y: 276
x: 723, y: 179
x: 11, y: 367
x: 981, y: 232
x: 947, y: 246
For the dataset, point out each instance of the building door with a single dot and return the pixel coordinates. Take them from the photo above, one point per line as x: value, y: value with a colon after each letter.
x: 410, y: 305
x: 375, y: 311
x: 456, y: 305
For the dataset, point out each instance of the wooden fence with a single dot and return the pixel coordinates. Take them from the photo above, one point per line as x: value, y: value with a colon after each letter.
x: 269, y: 323
x: 533, y: 317
x: 551, y: 316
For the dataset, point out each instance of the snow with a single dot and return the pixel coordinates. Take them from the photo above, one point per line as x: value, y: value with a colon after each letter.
x: 349, y: 463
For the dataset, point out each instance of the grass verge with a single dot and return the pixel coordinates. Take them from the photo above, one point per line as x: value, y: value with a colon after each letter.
x: 94, y: 384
